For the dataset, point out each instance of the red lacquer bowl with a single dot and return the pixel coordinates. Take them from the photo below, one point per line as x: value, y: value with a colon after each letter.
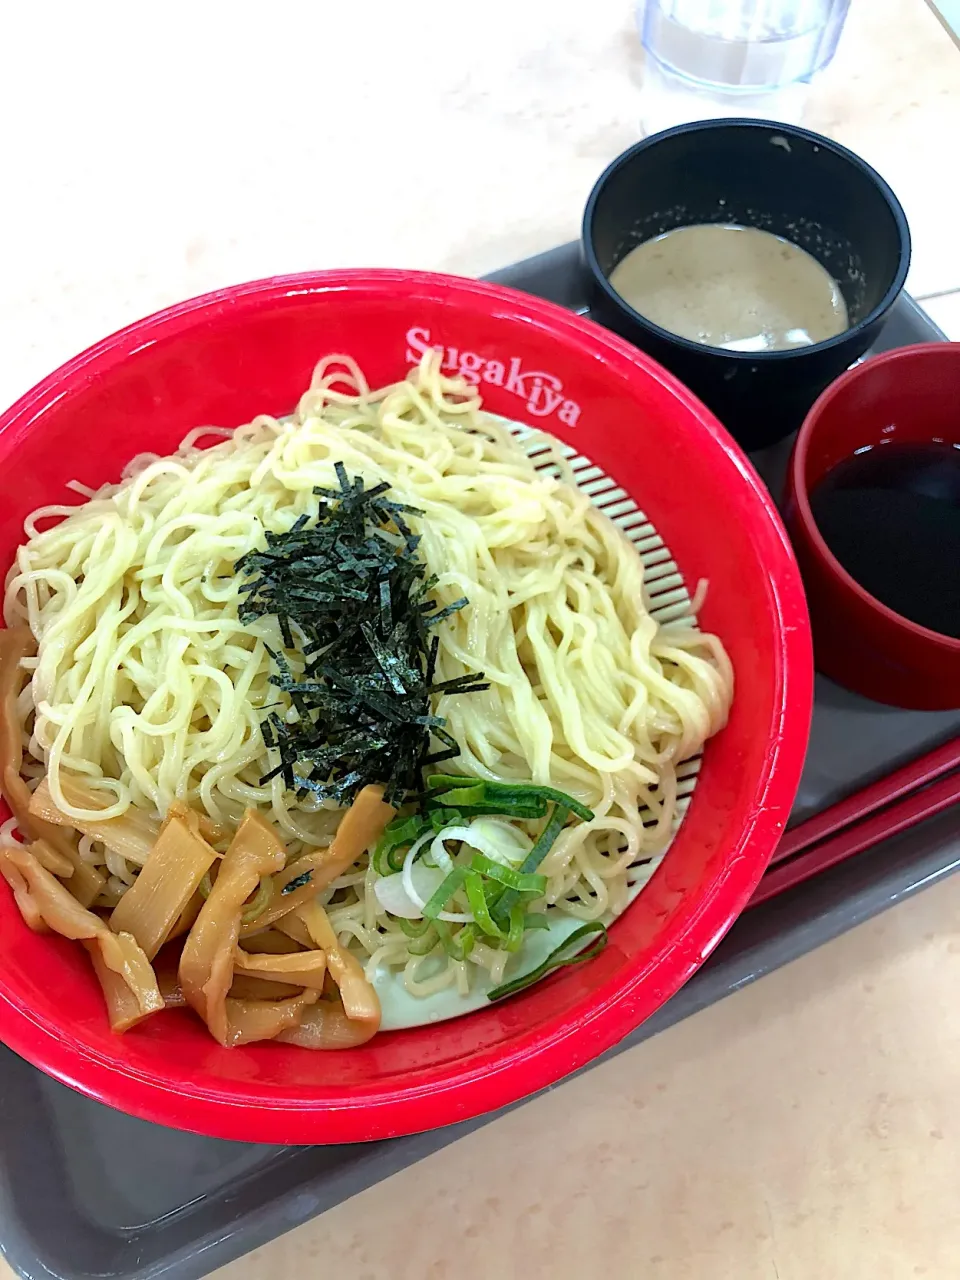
x: 226, y: 356
x: 907, y: 396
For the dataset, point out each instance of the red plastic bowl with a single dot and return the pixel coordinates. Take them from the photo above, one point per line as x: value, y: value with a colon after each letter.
x: 226, y: 356
x: 906, y: 396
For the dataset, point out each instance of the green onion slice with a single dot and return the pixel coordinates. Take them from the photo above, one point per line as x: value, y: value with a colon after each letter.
x: 413, y: 928
x: 545, y: 842
x: 443, y: 893
x: 424, y: 945
x: 536, y: 920
x: 514, y: 939
x: 477, y: 899
x: 500, y: 797
x: 557, y: 959
x: 464, y: 796
x: 461, y: 943
x: 391, y: 848
x: 394, y: 844
x: 457, y: 945
x: 523, y: 883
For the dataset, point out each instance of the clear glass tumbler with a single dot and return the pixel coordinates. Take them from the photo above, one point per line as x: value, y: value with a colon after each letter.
x: 709, y: 58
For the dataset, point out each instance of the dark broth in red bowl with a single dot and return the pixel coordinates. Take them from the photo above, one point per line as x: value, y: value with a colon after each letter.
x: 891, y: 516
x: 872, y: 507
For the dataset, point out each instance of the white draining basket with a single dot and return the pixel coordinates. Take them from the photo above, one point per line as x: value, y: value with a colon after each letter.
x: 669, y: 599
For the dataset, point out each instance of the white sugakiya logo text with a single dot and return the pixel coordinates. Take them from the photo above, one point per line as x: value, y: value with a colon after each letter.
x: 542, y: 393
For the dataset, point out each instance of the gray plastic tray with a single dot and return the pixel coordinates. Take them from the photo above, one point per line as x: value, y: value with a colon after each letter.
x: 86, y: 1191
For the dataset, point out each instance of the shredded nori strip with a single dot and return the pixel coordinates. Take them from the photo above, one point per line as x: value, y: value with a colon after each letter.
x: 297, y: 882
x: 349, y: 591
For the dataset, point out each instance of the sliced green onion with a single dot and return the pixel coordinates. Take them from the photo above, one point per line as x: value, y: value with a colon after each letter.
x: 506, y: 797
x: 395, y: 858
x: 557, y: 959
x: 440, y: 818
x: 446, y: 782
x: 463, y: 795
x: 522, y: 807
x: 526, y: 809
x: 536, y: 920
x: 514, y: 939
x: 503, y: 790
x: 442, y: 930
x: 529, y: 883
x: 477, y: 899
x: 424, y: 945
x: 394, y: 844
x: 260, y: 903
x: 413, y: 928
x: 459, y: 945
x: 468, y: 941
x: 391, y: 848
x: 206, y: 885
x: 443, y: 893
x: 401, y: 831
x: 545, y: 842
